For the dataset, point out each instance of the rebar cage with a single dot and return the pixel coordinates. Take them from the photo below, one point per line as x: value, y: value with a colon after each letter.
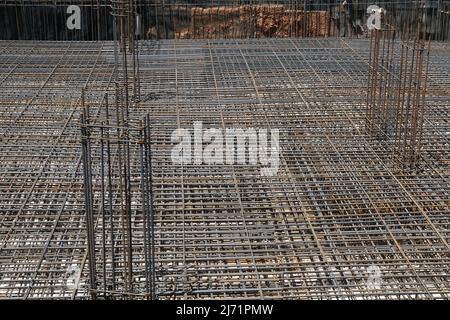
x: 396, y: 95
x: 119, y: 215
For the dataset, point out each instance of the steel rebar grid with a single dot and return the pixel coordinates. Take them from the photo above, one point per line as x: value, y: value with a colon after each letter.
x: 42, y: 225
x: 334, y: 209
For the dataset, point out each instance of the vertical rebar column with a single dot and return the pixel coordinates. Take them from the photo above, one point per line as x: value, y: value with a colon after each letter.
x: 151, y: 209
x: 88, y: 194
x: 109, y: 166
x: 147, y: 207
x: 124, y: 14
x: 396, y: 93
x: 410, y: 101
x: 380, y: 90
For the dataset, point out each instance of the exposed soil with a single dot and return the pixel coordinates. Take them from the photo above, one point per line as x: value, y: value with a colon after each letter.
x: 253, y: 21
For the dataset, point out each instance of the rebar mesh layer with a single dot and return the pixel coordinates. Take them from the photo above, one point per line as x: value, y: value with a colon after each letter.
x: 335, y: 214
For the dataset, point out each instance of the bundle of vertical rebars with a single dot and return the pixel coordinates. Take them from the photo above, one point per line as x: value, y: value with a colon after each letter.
x: 113, y: 144
x: 119, y: 215
x: 396, y: 91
